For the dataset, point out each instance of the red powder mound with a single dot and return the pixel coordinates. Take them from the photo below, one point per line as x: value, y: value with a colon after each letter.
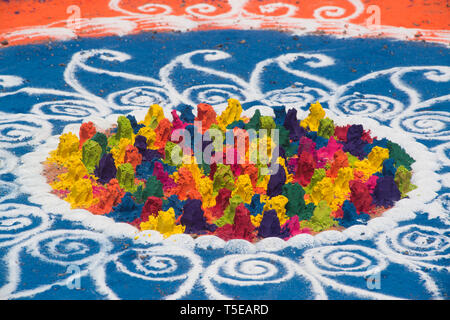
x: 360, y: 196
x: 305, y: 168
x: 207, y: 116
x: 340, y: 160
x: 163, y: 132
x: 341, y: 132
x: 242, y: 227
x: 151, y: 207
x: 185, y: 188
x: 222, y: 202
x: 108, y: 198
x: 132, y: 156
x: 87, y: 131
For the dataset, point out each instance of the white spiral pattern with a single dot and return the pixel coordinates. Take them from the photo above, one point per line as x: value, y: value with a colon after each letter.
x: 139, y: 97
x: 17, y: 130
x: 165, y: 264
x: 370, y: 105
x: 443, y: 152
x: 427, y: 125
x: 213, y: 94
x: 8, y: 190
x: 350, y: 260
x: 247, y: 270
x: 295, y: 97
x: 17, y: 222
x: 423, y: 245
x: 68, y: 110
x: 71, y: 247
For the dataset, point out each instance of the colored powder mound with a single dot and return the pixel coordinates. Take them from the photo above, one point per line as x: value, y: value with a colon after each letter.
x: 139, y: 173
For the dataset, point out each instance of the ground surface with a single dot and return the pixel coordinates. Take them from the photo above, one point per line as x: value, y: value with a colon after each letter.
x: 401, y: 88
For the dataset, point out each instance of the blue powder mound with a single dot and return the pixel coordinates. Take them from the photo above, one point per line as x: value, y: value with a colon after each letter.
x: 236, y: 124
x: 388, y: 167
x: 145, y: 169
x: 174, y: 202
x: 270, y: 225
x: 127, y: 210
x: 276, y: 182
x: 386, y: 192
x: 375, y: 143
x: 354, y: 144
x: 193, y: 218
x: 255, y: 207
x: 292, y: 124
x: 280, y: 114
x: 106, y: 169
x: 186, y: 114
x: 136, y: 127
x: 351, y: 217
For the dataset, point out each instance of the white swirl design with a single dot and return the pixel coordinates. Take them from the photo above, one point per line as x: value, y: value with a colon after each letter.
x: 244, y: 270
x: 68, y: 110
x: 328, y: 262
x: 338, y: 13
x: 213, y: 94
x: 18, y: 222
x: 162, y: 264
x: 420, y: 248
x: 18, y: 130
x: 369, y: 105
x: 71, y: 247
x: 296, y: 96
x: 139, y: 97
x: 427, y: 125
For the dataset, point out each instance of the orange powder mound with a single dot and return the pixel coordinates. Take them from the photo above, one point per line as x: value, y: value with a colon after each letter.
x: 108, y: 198
x: 206, y: 115
x: 132, y: 156
x: 87, y: 131
x: 185, y: 188
x: 162, y: 131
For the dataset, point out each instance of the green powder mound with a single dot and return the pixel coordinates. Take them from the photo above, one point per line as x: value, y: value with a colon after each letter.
x: 124, y: 131
x: 351, y: 159
x: 102, y: 140
x: 255, y: 121
x: 403, y: 181
x: 296, y: 203
x: 295, y: 195
x: 283, y: 137
x: 153, y: 188
x: 318, y: 175
x: 401, y: 158
x: 173, y: 154
x: 321, y: 218
x: 125, y: 175
x: 267, y: 123
x: 223, y: 178
x: 326, y: 128
x: 92, y: 153
x: 229, y: 212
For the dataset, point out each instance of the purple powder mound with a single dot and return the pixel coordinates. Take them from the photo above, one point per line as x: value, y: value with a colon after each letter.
x: 140, y: 142
x: 386, y: 192
x: 354, y: 144
x: 292, y: 125
x: 276, y: 182
x: 106, y: 169
x: 270, y: 225
x: 193, y: 218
